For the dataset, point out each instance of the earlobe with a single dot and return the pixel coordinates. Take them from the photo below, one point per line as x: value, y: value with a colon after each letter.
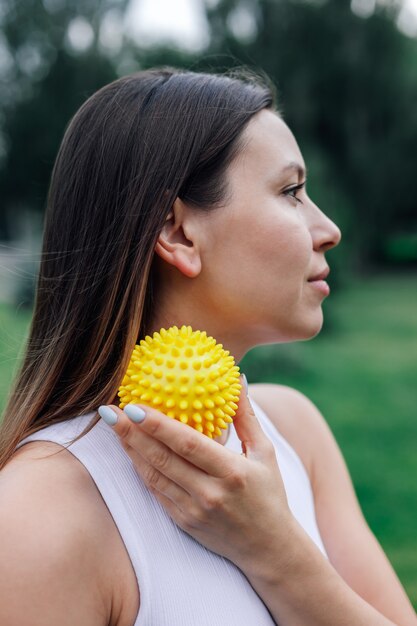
x: 174, y: 244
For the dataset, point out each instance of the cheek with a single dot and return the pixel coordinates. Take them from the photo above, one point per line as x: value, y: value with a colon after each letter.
x: 288, y: 248
x: 247, y: 253
x: 272, y: 272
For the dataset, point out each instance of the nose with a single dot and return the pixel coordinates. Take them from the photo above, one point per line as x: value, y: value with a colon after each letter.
x: 325, y: 233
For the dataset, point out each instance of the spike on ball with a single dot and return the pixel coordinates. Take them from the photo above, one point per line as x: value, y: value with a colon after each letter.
x: 182, y: 373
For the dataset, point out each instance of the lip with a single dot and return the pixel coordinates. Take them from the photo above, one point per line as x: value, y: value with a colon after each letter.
x: 321, y: 276
x: 319, y: 281
x: 321, y: 286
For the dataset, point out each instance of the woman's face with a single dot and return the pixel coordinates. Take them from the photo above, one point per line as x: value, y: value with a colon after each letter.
x: 262, y: 251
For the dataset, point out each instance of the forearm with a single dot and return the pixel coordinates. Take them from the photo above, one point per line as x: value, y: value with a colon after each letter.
x: 299, y: 586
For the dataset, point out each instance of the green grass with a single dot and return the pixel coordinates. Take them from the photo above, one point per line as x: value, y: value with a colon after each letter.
x: 14, y: 325
x: 361, y: 372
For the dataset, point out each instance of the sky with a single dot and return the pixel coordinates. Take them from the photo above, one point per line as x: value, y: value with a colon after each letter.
x: 180, y: 21
x: 183, y: 21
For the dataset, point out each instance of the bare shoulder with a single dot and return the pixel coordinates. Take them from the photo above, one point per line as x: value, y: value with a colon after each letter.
x: 55, y: 535
x: 294, y: 415
x: 351, y: 546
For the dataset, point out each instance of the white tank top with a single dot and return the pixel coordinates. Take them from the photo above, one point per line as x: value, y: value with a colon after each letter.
x: 181, y: 582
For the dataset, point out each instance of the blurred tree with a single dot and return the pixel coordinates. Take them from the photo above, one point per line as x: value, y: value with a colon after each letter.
x: 53, y: 55
x: 51, y: 61
x: 346, y: 84
x: 349, y: 91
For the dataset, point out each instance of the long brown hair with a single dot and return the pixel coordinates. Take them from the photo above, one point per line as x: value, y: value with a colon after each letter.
x: 130, y: 150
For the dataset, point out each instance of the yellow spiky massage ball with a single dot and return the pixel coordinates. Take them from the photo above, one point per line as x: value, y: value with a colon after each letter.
x: 186, y: 375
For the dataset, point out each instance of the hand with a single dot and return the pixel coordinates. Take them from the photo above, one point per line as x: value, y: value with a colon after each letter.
x: 235, y: 505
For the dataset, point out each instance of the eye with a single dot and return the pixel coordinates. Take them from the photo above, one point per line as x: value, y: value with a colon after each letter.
x: 292, y: 191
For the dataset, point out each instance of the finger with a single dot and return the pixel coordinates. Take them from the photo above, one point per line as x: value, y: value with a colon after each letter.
x: 174, y: 511
x: 158, y: 482
x: 156, y: 454
x: 161, y: 459
x: 185, y: 441
x: 248, y: 429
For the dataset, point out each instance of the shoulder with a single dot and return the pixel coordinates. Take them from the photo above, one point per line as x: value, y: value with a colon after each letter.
x: 50, y: 535
x: 350, y: 544
x: 295, y: 416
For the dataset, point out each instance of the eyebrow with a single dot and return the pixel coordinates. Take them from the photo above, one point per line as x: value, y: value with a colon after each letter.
x: 293, y: 165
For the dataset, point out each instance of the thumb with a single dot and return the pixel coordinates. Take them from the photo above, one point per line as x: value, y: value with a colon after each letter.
x: 247, y: 426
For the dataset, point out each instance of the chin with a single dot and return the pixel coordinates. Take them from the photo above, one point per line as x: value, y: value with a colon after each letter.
x: 309, y: 329
x: 301, y: 329
x: 316, y: 327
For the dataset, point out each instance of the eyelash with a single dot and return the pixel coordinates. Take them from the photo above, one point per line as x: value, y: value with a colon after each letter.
x: 288, y: 192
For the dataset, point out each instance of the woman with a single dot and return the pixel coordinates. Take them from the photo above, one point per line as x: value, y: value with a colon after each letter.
x: 178, y: 198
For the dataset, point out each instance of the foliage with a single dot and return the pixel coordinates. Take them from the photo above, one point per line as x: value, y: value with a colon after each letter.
x: 44, y: 83
x: 14, y: 325
x: 348, y: 94
x: 345, y: 85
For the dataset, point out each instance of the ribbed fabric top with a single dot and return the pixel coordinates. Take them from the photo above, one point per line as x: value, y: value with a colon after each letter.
x: 181, y: 582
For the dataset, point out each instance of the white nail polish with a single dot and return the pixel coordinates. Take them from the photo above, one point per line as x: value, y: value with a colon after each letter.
x: 107, y: 415
x: 134, y: 413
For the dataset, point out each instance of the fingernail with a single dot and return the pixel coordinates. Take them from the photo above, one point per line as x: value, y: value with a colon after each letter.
x: 107, y: 415
x: 245, y: 382
x: 134, y: 413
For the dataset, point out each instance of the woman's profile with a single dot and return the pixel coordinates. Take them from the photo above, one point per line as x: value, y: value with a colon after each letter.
x: 179, y: 198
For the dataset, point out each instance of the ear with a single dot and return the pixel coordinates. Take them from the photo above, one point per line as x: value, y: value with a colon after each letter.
x: 176, y: 243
